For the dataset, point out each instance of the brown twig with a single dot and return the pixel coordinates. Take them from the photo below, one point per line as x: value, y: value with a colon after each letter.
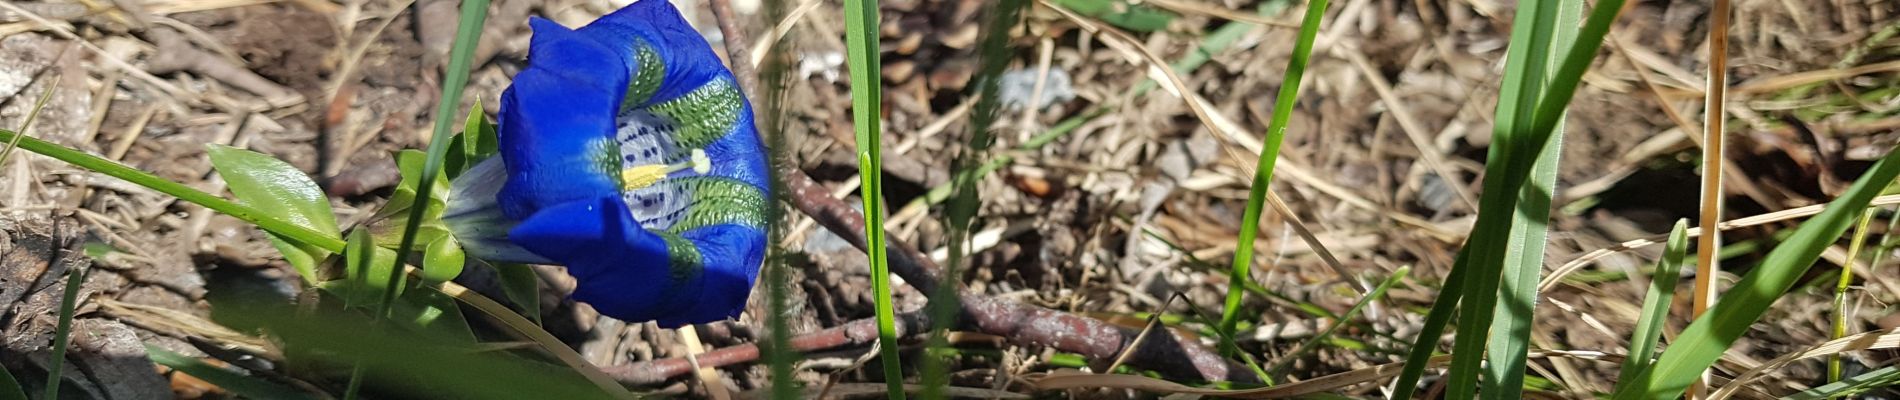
x: 1022, y: 324
x: 177, y: 54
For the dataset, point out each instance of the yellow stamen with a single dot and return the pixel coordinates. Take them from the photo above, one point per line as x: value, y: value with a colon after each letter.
x: 642, y: 176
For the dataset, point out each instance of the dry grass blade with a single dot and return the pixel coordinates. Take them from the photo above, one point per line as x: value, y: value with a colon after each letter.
x: 857, y: 390
x: 1306, y: 234
x: 522, y: 327
x: 1707, y: 265
x: 64, y: 32
x: 707, y: 375
x: 177, y: 322
x: 1883, y: 339
x: 162, y: 7
x: 1812, y: 77
x: 1132, y: 48
x: 1556, y: 276
x: 1191, y: 7
x: 1426, y: 151
x: 34, y: 114
x: 1080, y: 380
x: 1226, y: 129
x: 765, y: 43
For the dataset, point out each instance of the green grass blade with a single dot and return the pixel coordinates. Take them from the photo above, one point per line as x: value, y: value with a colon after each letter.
x: 774, y: 74
x: 175, y: 189
x: 1498, y: 208
x: 63, y: 332
x: 1875, y: 379
x: 1662, y: 290
x: 1704, y: 340
x: 1509, y: 164
x: 1426, y: 345
x: 1841, y: 289
x: 995, y: 54
x: 1523, y: 264
x: 236, y: 383
x: 468, y: 31
x: 414, y: 365
x: 10, y: 388
x: 1242, y: 271
x: 860, y: 31
x: 1278, y: 367
x: 1563, y: 85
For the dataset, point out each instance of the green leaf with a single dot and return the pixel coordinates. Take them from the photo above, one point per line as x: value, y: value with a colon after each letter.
x: 394, y: 216
x: 1662, y: 289
x: 410, y: 163
x: 442, y: 260
x: 236, y: 382
x: 522, y: 286
x: 487, y: 140
x: 270, y: 184
x: 1709, y: 336
x: 433, y: 314
x: 456, y: 160
x: 476, y: 143
x: 384, y: 232
x: 367, y: 267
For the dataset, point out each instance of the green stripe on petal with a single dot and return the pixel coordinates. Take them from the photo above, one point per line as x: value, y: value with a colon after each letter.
x: 603, y: 157
x: 703, y: 115
x: 649, y: 71
x: 686, y: 262
x: 719, y: 200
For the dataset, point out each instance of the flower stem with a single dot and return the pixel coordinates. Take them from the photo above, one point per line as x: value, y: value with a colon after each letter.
x: 110, y: 168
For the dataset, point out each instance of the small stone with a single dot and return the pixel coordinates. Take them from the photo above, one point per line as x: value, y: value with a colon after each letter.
x: 1019, y: 84
x: 900, y: 71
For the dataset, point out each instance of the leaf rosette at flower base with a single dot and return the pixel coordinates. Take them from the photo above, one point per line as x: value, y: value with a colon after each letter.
x: 628, y: 154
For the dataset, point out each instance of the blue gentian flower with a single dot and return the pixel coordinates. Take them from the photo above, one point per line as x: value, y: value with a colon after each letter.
x: 628, y: 154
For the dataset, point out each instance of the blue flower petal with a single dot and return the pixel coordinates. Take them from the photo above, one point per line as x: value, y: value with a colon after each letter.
x: 690, y: 61
x: 556, y: 125
x: 732, y: 254
x: 620, y: 269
